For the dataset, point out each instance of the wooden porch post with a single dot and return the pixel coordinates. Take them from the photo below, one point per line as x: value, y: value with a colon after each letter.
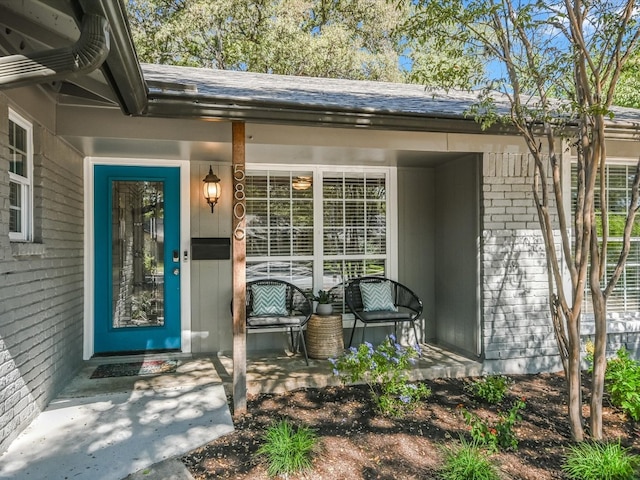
x: 239, y: 271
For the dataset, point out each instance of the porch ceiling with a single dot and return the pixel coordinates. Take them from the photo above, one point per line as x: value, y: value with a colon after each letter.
x: 104, y: 132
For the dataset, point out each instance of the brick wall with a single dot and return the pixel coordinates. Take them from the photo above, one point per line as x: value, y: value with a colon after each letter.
x: 517, y: 331
x: 41, y: 283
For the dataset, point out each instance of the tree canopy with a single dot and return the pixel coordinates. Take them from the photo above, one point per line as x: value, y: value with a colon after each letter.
x: 354, y: 39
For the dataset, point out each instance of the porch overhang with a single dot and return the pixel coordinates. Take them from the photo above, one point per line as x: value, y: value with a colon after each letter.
x: 287, y: 113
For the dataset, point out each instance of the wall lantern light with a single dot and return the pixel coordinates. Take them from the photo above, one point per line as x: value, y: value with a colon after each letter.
x: 211, y: 188
x: 301, y: 183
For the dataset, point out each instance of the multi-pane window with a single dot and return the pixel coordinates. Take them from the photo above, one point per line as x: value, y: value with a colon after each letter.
x: 20, y: 177
x: 626, y: 296
x: 279, y: 227
x: 354, y: 226
x: 316, y: 228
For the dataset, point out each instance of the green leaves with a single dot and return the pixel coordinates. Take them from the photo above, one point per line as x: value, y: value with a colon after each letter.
x: 600, y: 461
x: 622, y: 380
x: 341, y: 39
x: 467, y: 461
x: 491, y: 389
x: 287, y: 448
x: 383, y: 369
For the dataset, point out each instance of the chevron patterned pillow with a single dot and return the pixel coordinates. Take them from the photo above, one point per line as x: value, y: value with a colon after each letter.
x: 269, y: 299
x: 377, y: 296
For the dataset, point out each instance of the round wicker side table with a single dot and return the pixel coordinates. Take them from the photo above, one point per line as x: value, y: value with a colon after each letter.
x: 325, y: 336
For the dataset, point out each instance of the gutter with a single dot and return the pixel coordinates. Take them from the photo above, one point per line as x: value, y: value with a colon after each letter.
x: 87, y: 54
x: 281, y: 112
x: 121, y: 68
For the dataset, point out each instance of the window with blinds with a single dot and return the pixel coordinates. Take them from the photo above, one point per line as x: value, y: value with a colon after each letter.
x: 316, y: 228
x: 354, y: 234
x: 626, y: 296
x: 280, y: 224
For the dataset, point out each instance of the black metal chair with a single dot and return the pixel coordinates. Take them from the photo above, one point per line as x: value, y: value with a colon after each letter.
x: 298, y: 311
x: 409, y: 306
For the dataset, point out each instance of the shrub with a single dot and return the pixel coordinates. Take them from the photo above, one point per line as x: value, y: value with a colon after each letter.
x: 499, y: 435
x: 600, y: 461
x: 467, y: 462
x: 491, y: 389
x: 384, y: 370
x: 622, y: 380
x: 288, y: 449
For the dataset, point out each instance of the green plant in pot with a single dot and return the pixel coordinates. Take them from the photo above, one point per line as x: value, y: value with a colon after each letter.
x: 324, y: 299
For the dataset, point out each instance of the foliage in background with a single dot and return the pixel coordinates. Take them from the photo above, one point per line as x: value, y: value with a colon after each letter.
x: 338, y: 39
x: 628, y: 89
x: 491, y: 389
x: 498, y: 435
x: 384, y: 370
x: 288, y: 449
x: 600, y: 461
x: 467, y: 461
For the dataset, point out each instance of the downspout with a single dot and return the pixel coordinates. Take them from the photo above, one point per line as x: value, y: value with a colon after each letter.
x: 87, y: 54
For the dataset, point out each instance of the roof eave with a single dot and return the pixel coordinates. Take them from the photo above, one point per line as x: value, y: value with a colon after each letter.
x: 182, y: 106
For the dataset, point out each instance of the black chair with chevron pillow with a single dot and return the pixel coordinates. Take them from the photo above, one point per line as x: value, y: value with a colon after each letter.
x: 278, y: 304
x: 379, y: 300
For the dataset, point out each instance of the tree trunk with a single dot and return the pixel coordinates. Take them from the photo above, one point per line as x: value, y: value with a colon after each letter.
x: 599, y: 363
x: 574, y: 382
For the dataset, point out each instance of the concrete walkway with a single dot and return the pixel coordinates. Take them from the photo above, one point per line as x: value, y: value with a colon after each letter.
x: 107, y: 429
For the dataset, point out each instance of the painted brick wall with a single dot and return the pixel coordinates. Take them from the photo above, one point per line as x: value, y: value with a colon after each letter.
x: 41, y: 283
x: 517, y: 331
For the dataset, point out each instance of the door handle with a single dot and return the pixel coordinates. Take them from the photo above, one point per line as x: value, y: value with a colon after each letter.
x: 176, y: 271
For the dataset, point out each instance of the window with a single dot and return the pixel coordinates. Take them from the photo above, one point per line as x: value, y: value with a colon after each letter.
x: 318, y: 232
x: 20, y: 177
x: 279, y: 228
x: 626, y: 296
x: 354, y: 235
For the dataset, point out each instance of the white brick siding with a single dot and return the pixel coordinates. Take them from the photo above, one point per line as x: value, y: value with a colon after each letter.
x: 41, y: 284
x: 517, y: 331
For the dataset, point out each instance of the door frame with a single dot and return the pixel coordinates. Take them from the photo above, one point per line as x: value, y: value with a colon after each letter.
x: 89, y: 245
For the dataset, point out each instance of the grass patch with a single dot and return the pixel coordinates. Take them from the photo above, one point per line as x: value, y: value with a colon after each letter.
x: 288, y: 449
x: 600, y: 461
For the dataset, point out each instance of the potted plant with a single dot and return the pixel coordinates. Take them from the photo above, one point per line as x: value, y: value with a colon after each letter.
x: 324, y: 299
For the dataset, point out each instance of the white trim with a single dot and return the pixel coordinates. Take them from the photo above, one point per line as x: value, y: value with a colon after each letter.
x: 185, y: 235
x: 317, y: 171
x: 26, y: 235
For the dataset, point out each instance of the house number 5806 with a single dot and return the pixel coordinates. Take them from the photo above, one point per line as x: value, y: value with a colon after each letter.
x: 239, y: 209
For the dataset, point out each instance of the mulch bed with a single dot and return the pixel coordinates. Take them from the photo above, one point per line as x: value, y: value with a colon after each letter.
x: 357, y: 443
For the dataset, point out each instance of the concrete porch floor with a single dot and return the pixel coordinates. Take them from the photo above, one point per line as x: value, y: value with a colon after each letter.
x: 282, y: 371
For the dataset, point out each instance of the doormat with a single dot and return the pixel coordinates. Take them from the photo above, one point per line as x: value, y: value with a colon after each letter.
x: 149, y: 367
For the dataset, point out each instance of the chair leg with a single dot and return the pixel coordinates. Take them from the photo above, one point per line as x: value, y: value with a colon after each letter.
x: 293, y: 344
x: 415, y: 332
x: 353, y: 330
x: 364, y: 325
x: 304, y: 345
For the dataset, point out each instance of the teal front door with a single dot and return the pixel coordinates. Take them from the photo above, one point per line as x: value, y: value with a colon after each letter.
x: 137, y: 258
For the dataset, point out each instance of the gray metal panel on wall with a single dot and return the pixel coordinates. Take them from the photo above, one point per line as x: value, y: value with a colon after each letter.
x: 456, y: 278
x: 416, y: 227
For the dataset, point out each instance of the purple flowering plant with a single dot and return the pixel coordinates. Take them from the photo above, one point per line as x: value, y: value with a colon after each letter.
x: 384, y: 369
